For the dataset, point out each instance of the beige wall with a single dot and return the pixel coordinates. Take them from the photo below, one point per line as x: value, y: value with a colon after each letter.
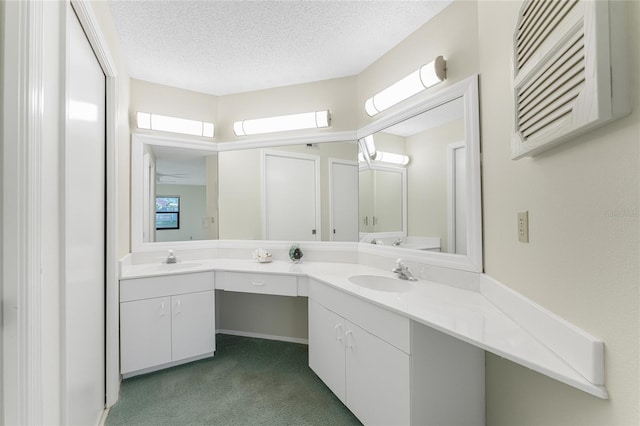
x: 453, y: 33
x: 165, y: 100
x: 582, y: 259
x: 336, y: 95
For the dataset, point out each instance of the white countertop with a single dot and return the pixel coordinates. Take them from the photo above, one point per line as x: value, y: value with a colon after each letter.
x: 463, y: 314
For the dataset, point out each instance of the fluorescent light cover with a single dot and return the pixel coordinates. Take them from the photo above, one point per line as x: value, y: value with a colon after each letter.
x: 306, y: 120
x: 428, y: 75
x: 370, y: 145
x: 392, y: 158
x: 165, y: 123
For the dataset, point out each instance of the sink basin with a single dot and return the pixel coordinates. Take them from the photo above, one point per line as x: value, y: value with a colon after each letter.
x: 378, y: 283
x: 175, y: 266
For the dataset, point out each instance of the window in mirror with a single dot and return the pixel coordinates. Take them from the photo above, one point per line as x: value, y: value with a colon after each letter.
x: 167, y: 212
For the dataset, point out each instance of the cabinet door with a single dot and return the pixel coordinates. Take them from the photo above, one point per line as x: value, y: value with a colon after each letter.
x: 377, y: 379
x: 145, y: 333
x: 193, y: 326
x: 326, y: 347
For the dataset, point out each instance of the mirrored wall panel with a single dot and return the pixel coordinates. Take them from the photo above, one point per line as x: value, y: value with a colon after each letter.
x: 191, y: 192
x: 412, y: 182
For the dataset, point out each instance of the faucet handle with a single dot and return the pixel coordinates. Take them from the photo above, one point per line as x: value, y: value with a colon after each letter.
x: 399, y: 263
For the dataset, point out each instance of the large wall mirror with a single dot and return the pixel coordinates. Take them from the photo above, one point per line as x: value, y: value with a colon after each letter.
x: 185, y: 190
x: 323, y: 190
x: 430, y: 207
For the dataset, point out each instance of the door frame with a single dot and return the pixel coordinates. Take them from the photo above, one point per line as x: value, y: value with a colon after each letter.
x: 451, y: 195
x: 296, y: 156
x: 28, y: 123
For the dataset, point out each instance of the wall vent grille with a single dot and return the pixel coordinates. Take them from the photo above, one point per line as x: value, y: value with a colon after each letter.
x: 570, y: 71
x: 549, y: 94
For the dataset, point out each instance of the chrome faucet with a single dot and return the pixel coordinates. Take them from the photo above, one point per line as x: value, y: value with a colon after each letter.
x: 171, y: 258
x: 403, y: 271
x: 397, y: 242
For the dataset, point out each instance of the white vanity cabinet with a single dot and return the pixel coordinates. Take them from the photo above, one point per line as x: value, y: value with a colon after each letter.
x: 349, y: 351
x: 165, y: 321
x: 369, y: 375
x: 388, y: 369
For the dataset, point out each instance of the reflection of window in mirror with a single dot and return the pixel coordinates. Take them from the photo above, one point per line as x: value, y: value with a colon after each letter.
x: 167, y: 212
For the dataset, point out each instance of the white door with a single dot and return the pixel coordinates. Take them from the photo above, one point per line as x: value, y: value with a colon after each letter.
x: 291, y: 192
x: 326, y: 347
x: 192, y: 329
x: 377, y: 379
x: 344, y: 201
x: 145, y: 333
x: 83, y: 232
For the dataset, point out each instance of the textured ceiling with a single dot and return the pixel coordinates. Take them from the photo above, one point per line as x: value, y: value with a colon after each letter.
x: 225, y: 47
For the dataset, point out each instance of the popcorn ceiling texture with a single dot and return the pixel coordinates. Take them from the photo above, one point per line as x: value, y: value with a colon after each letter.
x: 226, y: 47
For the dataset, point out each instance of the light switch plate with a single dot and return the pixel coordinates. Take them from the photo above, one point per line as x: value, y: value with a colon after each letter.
x: 523, y: 227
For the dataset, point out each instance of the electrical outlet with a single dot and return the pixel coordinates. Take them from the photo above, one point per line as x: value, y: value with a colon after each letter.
x: 523, y: 227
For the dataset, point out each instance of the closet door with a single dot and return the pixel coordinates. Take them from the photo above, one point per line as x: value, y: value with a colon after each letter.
x: 83, y: 232
x: 344, y: 201
x: 291, y: 197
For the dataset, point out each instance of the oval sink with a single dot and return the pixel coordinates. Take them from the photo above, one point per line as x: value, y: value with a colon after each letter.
x: 378, y: 283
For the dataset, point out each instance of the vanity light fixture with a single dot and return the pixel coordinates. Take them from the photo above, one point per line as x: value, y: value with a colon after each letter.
x: 391, y: 158
x: 369, y: 153
x: 426, y: 76
x: 149, y: 121
x: 306, y: 120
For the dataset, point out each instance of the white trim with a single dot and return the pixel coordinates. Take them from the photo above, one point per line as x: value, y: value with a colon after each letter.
x: 264, y: 336
x: 100, y: 46
x: 22, y: 142
x: 317, y: 187
x: 451, y: 194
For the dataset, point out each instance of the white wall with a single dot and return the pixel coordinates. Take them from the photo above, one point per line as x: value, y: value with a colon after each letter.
x: 582, y: 259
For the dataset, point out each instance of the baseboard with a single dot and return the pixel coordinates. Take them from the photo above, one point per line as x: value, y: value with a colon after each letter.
x: 264, y: 336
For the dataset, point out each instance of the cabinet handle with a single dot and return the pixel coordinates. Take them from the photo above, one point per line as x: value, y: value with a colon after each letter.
x: 257, y: 283
x: 178, y: 306
x: 349, y: 340
x: 338, y: 333
x: 162, y: 309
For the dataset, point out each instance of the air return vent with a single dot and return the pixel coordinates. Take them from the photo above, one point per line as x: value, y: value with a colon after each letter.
x: 570, y: 71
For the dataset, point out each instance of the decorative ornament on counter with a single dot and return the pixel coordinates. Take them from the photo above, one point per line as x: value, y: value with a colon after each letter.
x: 295, y: 254
x: 262, y: 255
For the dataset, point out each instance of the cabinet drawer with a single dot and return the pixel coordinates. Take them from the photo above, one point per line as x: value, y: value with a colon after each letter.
x: 166, y: 285
x: 282, y: 285
x: 388, y: 326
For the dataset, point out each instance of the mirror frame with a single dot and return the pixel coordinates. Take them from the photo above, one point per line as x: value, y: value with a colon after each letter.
x: 466, y: 89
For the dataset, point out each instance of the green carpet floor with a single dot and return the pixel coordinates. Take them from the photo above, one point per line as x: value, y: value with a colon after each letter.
x: 248, y: 382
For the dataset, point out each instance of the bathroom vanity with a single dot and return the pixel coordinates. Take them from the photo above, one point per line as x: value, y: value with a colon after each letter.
x: 393, y: 352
